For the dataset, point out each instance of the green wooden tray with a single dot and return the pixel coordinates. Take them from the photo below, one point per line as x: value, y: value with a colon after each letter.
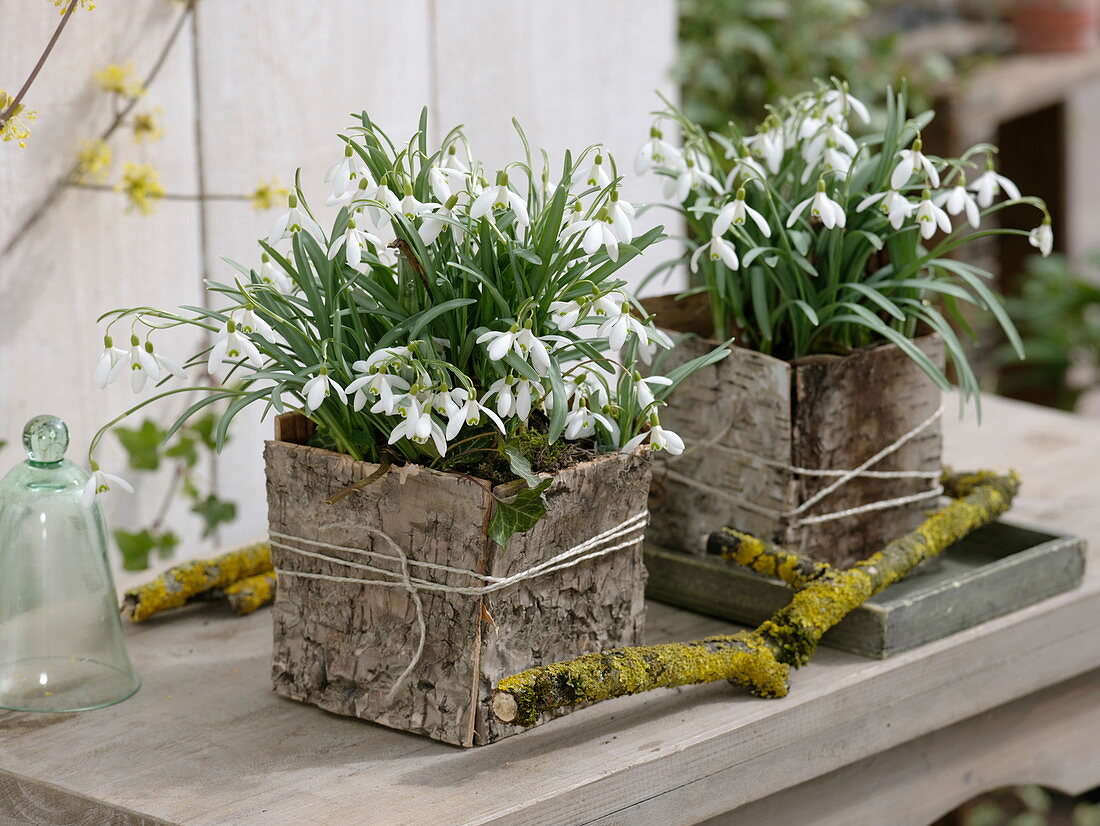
x: 997, y: 569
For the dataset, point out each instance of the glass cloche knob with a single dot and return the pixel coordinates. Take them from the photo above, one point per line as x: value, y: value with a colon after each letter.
x: 45, y: 438
x: 61, y: 646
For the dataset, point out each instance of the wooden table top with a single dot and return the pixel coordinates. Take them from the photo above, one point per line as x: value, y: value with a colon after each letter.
x: 206, y: 741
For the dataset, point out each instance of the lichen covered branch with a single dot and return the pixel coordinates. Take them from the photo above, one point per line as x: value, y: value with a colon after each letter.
x: 251, y: 593
x: 759, y: 660
x: 179, y: 585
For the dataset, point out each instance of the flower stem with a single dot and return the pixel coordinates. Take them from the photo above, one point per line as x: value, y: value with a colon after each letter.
x: 7, y: 113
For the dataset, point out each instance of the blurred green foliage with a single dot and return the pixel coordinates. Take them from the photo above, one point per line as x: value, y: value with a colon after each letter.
x: 1058, y: 316
x: 148, y: 449
x: 1029, y: 806
x: 738, y: 55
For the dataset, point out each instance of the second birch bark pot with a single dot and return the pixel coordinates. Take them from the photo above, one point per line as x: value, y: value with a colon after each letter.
x: 751, y: 419
x: 342, y: 645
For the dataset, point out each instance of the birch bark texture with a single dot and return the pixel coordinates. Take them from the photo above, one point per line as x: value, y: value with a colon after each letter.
x: 750, y: 419
x: 342, y: 646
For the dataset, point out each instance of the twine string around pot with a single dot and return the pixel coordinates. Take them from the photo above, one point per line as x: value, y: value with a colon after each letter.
x: 842, y: 477
x: 627, y: 533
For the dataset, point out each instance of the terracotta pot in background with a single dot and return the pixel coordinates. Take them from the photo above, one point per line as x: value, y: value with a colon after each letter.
x: 1056, y: 25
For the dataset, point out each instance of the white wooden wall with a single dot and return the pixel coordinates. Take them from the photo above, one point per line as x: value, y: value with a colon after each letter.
x: 274, y: 83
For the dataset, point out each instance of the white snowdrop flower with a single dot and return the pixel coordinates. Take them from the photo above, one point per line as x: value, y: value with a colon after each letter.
x: 745, y: 166
x: 580, y: 423
x: 595, y: 233
x: 461, y: 408
x: 913, y: 160
x: 142, y: 366
x: 500, y: 197
x: 621, y: 213
x: 167, y: 365
x: 451, y: 161
x: 958, y: 200
x: 319, y: 388
x: 386, y: 387
x: 1042, y: 237
x: 895, y: 206
x: 500, y: 343
x: 514, y: 397
x: 657, y: 152
x: 434, y: 222
x: 105, y: 371
x: 930, y: 217
x: 380, y: 205
x: 275, y: 276
x: 567, y: 314
x: 769, y: 144
x: 418, y: 426
x: 990, y: 184
x: 717, y: 249
x: 354, y: 240
x: 437, y: 181
x: 643, y: 387
x: 597, y: 173
x: 617, y: 328
x: 249, y: 322
x: 533, y: 350
x: 293, y: 220
x: 345, y: 174
x: 832, y: 161
x: 231, y: 346
x: 100, y: 482
x: 839, y: 102
x: 655, y: 338
x: 734, y: 214
x: 822, y: 207
x: 412, y: 208
x: 694, y: 174
x: 659, y: 439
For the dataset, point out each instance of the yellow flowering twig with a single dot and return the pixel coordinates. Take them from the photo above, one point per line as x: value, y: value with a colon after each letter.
x: 12, y: 107
x: 15, y: 127
x: 93, y: 160
x: 147, y: 126
x: 268, y: 195
x: 66, y: 5
x: 142, y: 186
x: 121, y: 79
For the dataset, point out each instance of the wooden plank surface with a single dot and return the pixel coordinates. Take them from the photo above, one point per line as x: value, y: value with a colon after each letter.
x: 205, y: 741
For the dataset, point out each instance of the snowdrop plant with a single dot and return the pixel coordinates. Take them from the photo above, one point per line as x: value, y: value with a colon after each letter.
x: 822, y: 238
x: 452, y: 315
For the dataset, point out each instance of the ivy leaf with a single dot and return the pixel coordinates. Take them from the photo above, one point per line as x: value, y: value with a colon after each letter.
x: 521, y: 465
x: 214, y: 512
x: 203, y: 428
x: 518, y: 513
x: 166, y: 544
x: 135, y: 548
x: 185, y: 449
x: 142, y: 444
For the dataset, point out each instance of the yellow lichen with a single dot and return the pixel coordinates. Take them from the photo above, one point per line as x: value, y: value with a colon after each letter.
x: 251, y: 593
x: 176, y: 586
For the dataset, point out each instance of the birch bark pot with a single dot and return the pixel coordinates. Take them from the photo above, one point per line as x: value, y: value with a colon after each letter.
x: 342, y: 646
x: 751, y: 418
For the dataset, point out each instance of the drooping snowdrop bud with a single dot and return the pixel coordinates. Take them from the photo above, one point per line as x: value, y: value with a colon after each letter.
x: 657, y: 152
x: 990, y: 184
x: 930, y: 217
x: 958, y: 200
x: 500, y: 197
x: 1042, y: 237
x: 913, y: 160
x: 105, y: 371
x: 735, y: 212
x: 100, y: 482
x: 822, y: 208
x: 293, y: 220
